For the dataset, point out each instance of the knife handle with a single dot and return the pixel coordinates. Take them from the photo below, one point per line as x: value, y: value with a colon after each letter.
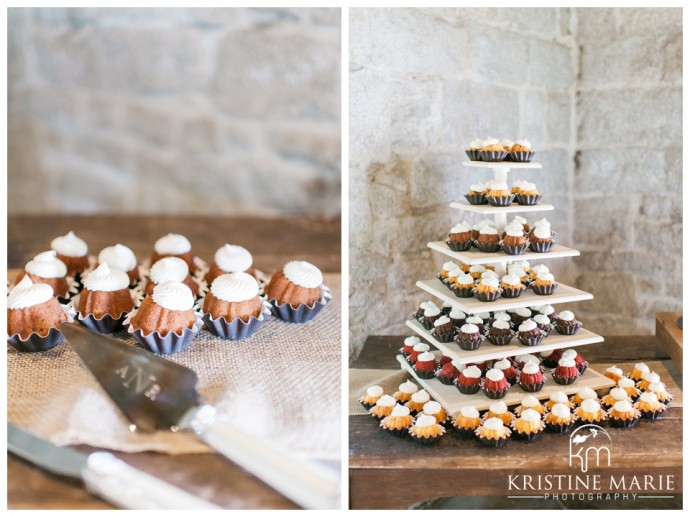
x: 115, y: 481
x: 306, y: 484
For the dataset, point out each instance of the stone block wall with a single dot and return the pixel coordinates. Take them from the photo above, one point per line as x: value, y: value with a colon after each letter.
x: 425, y: 82
x: 210, y: 111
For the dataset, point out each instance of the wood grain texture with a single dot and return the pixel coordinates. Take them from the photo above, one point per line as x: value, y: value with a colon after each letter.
x: 273, y: 242
x: 381, y: 466
x: 670, y: 335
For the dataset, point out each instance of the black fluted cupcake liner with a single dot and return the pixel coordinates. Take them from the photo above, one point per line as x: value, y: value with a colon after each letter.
x: 425, y: 441
x: 474, y: 155
x: 469, y: 345
x: 464, y: 433
x: 171, y: 343
x: 488, y: 297
x: 563, y: 381
x: 544, y: 290
x: 514, y: 250
x: 236, y: 329
x: 582, y: 367
x: 403, y: 432
x: 541, y: 247
x: 652, y: 415
x: 624, y: 423
x: 36, y: 343
x: 463, y: 292
x: 500, y: 340
x: 521, y: 156
x: 527, y: 200
x: 500, y: 200
x: 428, y: 323
x: 513, y: 292
x: 568, y: 330
x: 485, y: 247
x: 444, y: 337
x: 459, y: 246
x: 424, y: 374
x: 560, y: 428
x: 529, y: 437
x: 367, y: 407
x: 468, y: 389
x: 493, y: 156
x: 533, y: 387
x: 448, y: 381
x: 443, y: 280
x: 494, y: 394
x: 106, y: 325
x: 547, y: 329
x: 302, y: 313
x: 476, y: 199
x: 490, y: 442
x: 532, y: 340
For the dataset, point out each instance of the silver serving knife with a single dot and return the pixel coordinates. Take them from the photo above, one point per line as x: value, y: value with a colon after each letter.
x: 104, y: 475
x: 154, y: 393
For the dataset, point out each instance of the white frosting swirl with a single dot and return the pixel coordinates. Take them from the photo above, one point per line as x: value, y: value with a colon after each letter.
x: 495, y: 375
x: 457, y: 314
x: 477, y: 143
x: 449, y: 266
x: 386, y: 401
x: 235, y: 287
x: 542, y: 319
x: 469, y: 328
x: 559, y: 397
x: 529, y: 401
x: 545, y: 277
x: 541, y: 268
x: 516, y: 270
x: 169, y: 269
x: 503, y: 364
x: 566, y: 316
x: 489, y: 274
x: 46, y: 265
x: 421, y: 397
x: 587, y: 393
x: 472, y: 372
x: 530, y: 415
x: 498, y: 407
x: 431, y: 408
x: 233, y: 258
x: 473, y: 320
x: 425, y: 421
x: 622, y: 406
x: 502, y: 316
x: 560, y: 410
x: 478, y: 268
x: 542, y: 222
x: 172, y: 244
x: 174, y: 296
x: 649, y: 397
x: 27, y: 294
x: 499, y: 186
x: 511, y: 279
x: 618, y: 393
x: 105, y: 279
x: 484, y: 222
x: 457, y: 273
x: 441, y: 321
x: 527, y: 325
x: 462, y: 227
x: 118, y: 257
x: 477, y: 187
x: 426, y: 356
x: 303, y: 274
x: 615, y: 370
x: 411, y: 340
x: 507, y: 143
x: 529, y: 186
x: 651, y: 377
x: 408, y: 387
x: 469, y: 412
x: 566, y: 362
x: 530, y: 368
x: 426, y: 305
x: 570, y: 353
x: 488, y: 230
x: 517, y: 184
x: 542, y: 232
x: 523, y: 142
x: 641, y: 367
x: 657, y: 387
x: 490, y: 141
x: 590, y: 405
x: 69, y: 245
x: 399, y: 410
x: 430, y: 312
x: 524, y: 312
x: 493, y: 423
x: 626, y: 383
x: 490, y: 282
x: 374, y: 391
x: 514, y: 231
x: 421, y: 347
x: 504, y: 325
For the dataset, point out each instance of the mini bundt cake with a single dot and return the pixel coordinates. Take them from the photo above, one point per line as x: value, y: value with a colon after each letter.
x: 32, y: 308
x: 168, y: 309
x: 230, y: 258
x: 106, y: 291
x: 72, y: 251
x: 122, y: 258
x: 233, y: 295
x: 173, y: 245
x: 170, y: 269
x: 46, y: 268
x: 298, y: 283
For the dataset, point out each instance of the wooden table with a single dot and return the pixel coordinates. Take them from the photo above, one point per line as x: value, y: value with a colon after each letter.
x: 273, y: 242
x: 389, y: 472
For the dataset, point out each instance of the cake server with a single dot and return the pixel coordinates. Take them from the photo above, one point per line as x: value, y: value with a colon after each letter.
x: 104, y: 475
x: 157, y: 394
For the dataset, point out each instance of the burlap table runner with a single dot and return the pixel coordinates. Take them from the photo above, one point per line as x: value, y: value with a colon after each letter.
x: 282, y: 385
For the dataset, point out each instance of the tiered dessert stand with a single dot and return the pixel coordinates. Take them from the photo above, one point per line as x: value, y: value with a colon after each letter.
x: 448, y: 395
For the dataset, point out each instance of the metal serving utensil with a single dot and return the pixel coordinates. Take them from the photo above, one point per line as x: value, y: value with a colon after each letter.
x: 156, y: 394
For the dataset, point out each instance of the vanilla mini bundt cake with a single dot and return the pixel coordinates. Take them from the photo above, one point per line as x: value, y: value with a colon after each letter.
x: 106, y: 291
x: 46, y: 268
x: 122, y: 258
x: 234, y: 295
x: 298, y: 283
x: 72, y: 251
x: 168, y: 309
x: 170, y: 269
x: 230, y: 258
x: 173, y: 245
x: 32, y: 308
